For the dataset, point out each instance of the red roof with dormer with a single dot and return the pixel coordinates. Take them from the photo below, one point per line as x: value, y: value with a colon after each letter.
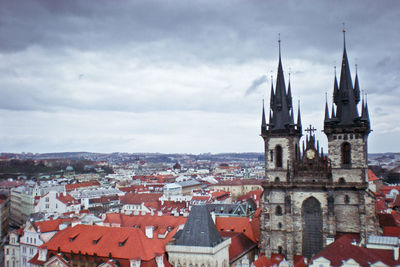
x: 67, y: 199
x: 120, y: 242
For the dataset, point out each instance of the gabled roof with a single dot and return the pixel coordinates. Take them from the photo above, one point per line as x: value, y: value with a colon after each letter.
x: 343, y: 250
x: 70, y: 187
x: 199, y: 229
x: 240, y: 245
x: 50, y: 225
x: 132, y: 198
x: 250, y: 227
x: 67, y: 199
x: 122, y: 243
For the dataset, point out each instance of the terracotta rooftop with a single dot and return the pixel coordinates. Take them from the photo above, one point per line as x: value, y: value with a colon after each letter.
x: 70, y: 187
x: 121, y: 242
x: 342, y: 250
x: 132, y: 198
x: 251, y: 228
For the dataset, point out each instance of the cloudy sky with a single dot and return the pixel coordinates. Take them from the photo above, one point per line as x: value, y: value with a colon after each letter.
x: 184, y: 76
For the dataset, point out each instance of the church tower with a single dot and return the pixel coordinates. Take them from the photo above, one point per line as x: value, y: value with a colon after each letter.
x: 310, y: 198
x: 347, y: 134
x: 281, y: 135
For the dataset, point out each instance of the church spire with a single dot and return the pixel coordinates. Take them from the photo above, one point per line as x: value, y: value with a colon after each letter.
x: 263, y: 122
x: 298, y: 118
x: 356, y: 88
x: 345, y: 97
x: 326, y: 108
x: 282, y: 119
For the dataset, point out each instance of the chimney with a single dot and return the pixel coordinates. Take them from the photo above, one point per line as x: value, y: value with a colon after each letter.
x: 149, y: 231
x: 213, y: 216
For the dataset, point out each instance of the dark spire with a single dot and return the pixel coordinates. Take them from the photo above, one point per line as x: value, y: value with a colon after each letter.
x: 356, y: 88
x: 199, y: 229
x: 335, y: 90
x: 333, y: 111
x: 346, y: 97
x: 289, y: 95
x: 299, y: 118
x: 263, y: 121
x: 326, y: 108
x: 282, y: 119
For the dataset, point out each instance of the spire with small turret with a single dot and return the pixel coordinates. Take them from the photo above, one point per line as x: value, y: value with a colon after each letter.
x: 345, y: 97
x: 281, y: 106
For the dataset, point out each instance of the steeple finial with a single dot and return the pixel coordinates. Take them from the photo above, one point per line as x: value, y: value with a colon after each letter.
x: 344, y: 36
x: 279, y: 44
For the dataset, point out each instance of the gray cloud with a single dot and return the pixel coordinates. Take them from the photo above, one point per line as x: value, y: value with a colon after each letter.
x: 175, y: 57
x: 256, y: 84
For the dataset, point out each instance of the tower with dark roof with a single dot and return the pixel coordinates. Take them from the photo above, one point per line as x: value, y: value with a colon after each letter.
x: 309, y: 197
x: 281, y: 134
x: 199, y: 243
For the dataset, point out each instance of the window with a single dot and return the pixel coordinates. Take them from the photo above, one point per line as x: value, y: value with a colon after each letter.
x: 271, y: 154
x: 277, y: 180
x: 278, y: 210
x: 346, y: 153
x: 280, y: 225
x: 278, y: 152
x: 7, y: 251
x: 47, y: 199
x: 342, y: 180
x: 280, y: 250
x: 47, y: 206
x: 346, y: 199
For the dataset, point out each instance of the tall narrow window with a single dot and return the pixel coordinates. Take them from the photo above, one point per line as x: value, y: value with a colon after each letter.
x: 346, y: 153
x: 278, y: 211
x: 278, y: 152
x: 271, y: 153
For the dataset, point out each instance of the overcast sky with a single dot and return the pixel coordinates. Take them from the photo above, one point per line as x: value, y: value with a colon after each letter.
x: 184, y: 76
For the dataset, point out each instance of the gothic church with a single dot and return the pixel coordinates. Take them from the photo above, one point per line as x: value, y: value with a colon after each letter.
x: 310, y: 197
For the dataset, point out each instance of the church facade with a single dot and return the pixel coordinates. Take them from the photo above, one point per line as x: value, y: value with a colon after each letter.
x: 309, y: 197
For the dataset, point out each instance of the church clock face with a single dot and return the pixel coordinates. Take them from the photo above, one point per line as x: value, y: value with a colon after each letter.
x: 310, y: 153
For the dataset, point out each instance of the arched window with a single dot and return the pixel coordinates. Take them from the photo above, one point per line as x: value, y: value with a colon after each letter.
x: 280, y: 225
x: 277, y: 180
x: 342, y: 180
x: 278, y: 152
x: 271, y: 154
x: 278, y: 210
x: 280, y: 250
x: 346, y: 153
x: 346, y: 199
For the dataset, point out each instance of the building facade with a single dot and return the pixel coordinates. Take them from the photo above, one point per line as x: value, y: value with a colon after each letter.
x: 310, y: 198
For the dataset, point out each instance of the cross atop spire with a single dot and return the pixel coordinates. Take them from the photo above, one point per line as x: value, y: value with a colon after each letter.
x: 310, y: 130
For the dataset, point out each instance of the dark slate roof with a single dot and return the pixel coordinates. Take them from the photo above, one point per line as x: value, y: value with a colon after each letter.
x: 199, y: 229
x: 346, y: 97
x: 281, y: 119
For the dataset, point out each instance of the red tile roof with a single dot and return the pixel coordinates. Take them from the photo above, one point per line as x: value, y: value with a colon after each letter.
x: 50, y: 225
x: 131, y: 198
x: 239, y: 182
x: 342, y: 250
x: 67, y: 199
x: 121, y: 242
x: 371, y: 176
x: 70, y: 187
x: 161, y: 223
x: 391, y: 231
x: 240, y: 245
x: 251, y: 228
x: 272, y: 262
